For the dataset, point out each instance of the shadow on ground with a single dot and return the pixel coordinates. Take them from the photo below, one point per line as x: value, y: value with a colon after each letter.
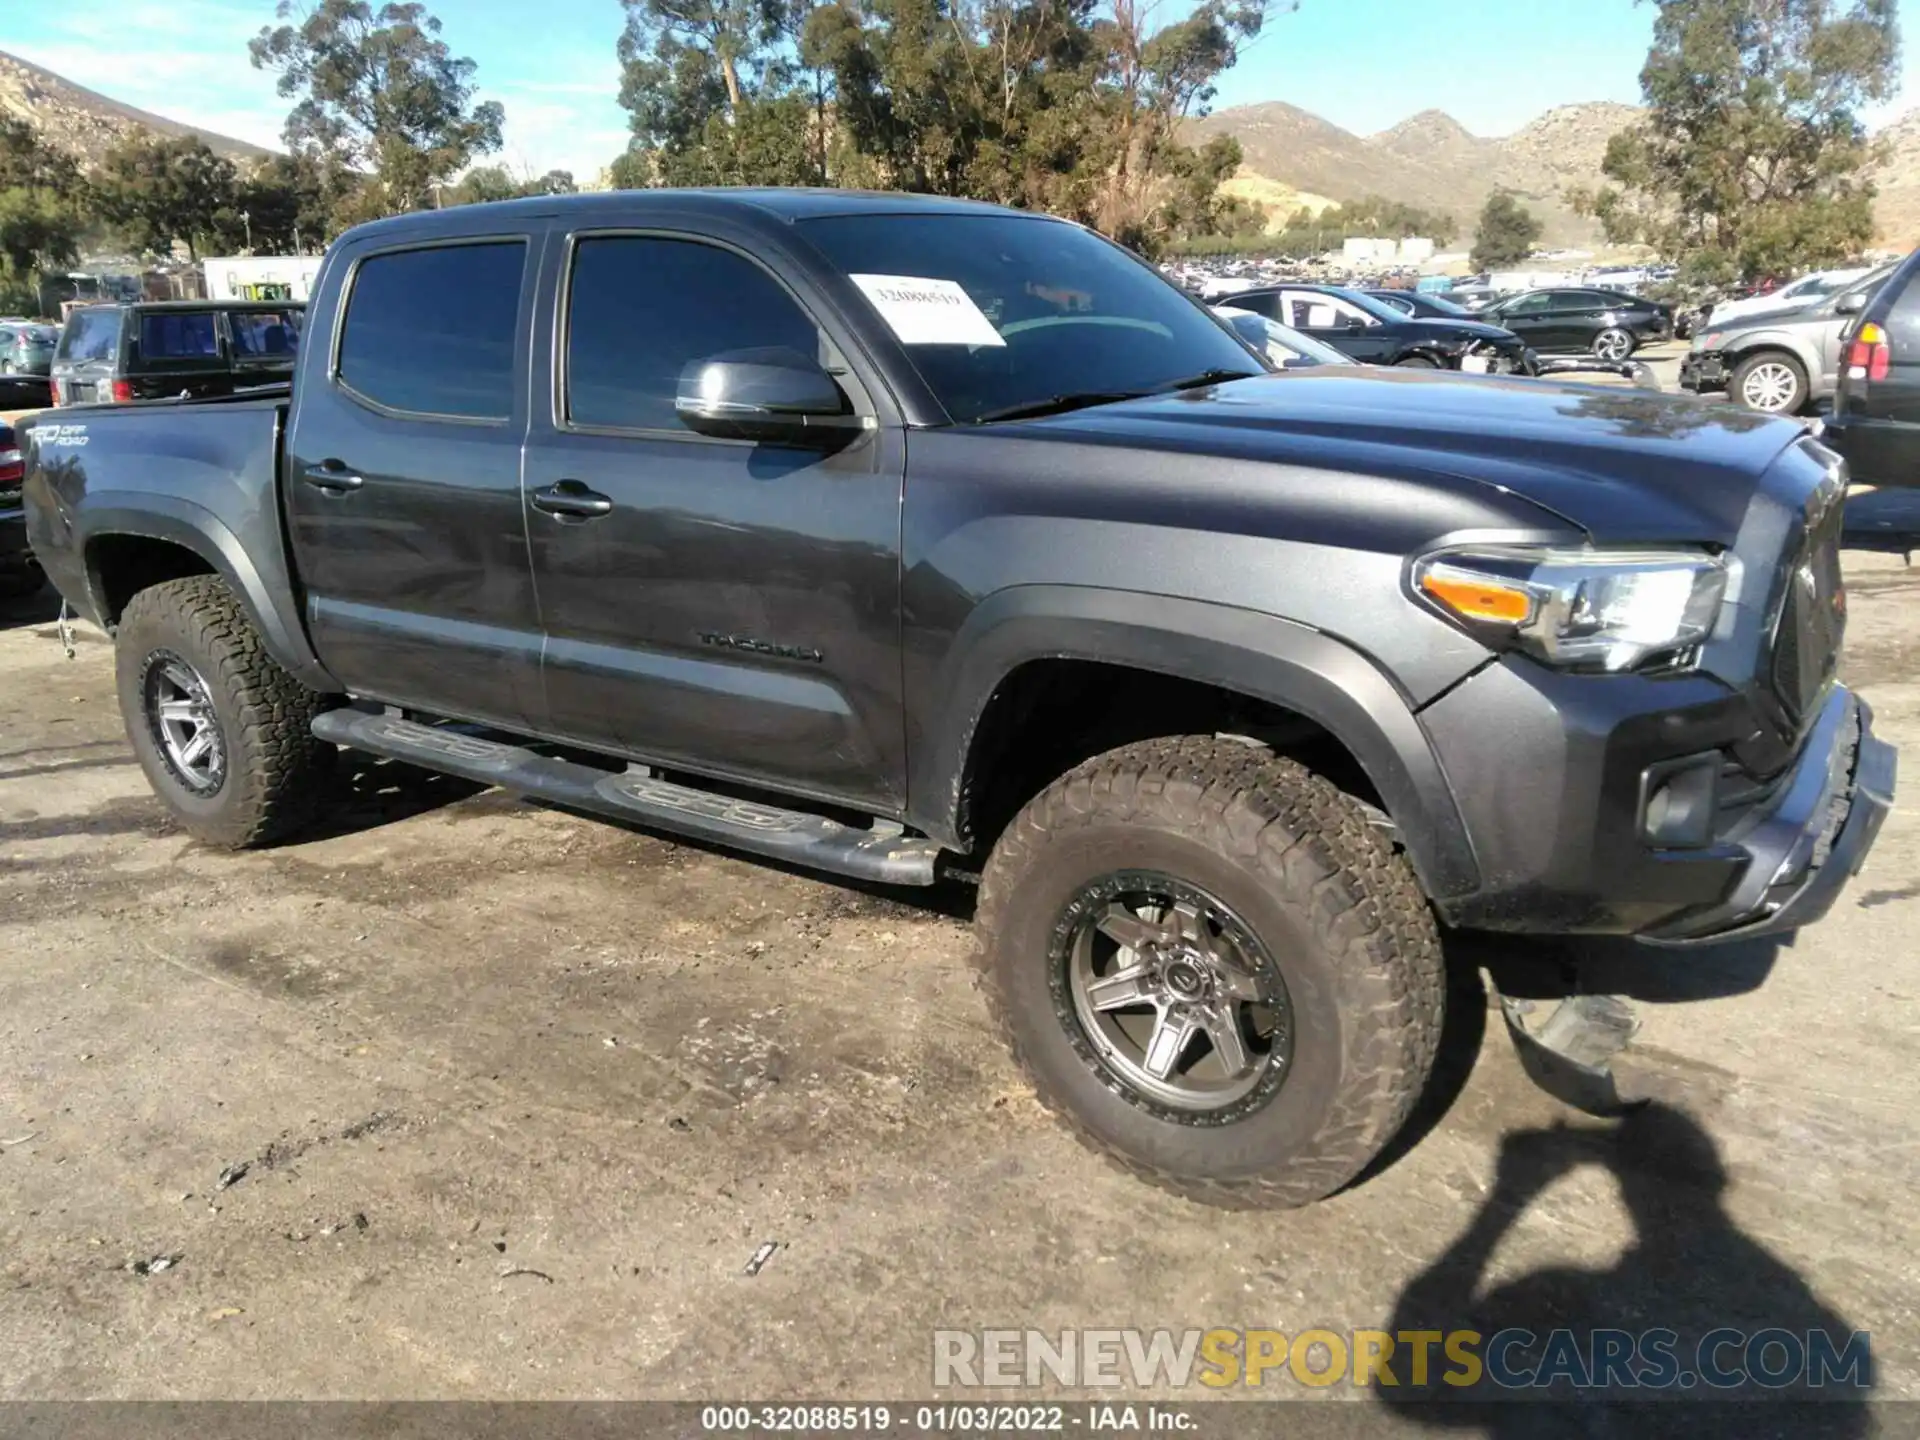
x: 1693, y: 1307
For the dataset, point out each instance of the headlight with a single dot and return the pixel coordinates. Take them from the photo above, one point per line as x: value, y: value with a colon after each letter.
x: 1581, y: 609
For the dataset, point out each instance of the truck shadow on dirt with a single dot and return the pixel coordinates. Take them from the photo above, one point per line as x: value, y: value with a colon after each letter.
x: 1690, y: 1279
x: 368, y: 792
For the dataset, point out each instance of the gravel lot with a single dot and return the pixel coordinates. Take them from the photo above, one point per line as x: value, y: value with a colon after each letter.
x: 518, y: 1094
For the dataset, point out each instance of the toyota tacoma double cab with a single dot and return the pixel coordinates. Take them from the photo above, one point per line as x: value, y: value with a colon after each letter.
x: 890, y: 535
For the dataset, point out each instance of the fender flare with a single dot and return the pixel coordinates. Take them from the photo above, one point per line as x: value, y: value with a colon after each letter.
x: 269, y: 600
x: 1245, y: 651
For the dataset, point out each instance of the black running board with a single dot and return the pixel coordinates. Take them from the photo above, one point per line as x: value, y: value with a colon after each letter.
x: 882, y: 855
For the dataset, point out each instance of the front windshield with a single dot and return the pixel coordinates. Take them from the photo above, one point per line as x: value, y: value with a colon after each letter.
x: 1003, y: 312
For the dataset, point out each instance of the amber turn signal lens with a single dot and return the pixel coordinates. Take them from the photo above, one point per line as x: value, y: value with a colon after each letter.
x: 1479, y: 599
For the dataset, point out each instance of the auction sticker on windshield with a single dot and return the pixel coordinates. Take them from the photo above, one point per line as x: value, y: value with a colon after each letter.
x: 923, y: 311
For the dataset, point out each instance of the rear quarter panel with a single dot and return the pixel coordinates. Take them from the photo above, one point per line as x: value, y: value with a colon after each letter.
x: 200, y: 476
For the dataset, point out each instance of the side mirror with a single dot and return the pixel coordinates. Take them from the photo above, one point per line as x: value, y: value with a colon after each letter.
x: 775, y: 395
x: 1354, y: 327
x: 1850, y: 304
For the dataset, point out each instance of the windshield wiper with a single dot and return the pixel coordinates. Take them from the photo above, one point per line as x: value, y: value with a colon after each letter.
x: 1206, y: 377
x: 1056, y: 404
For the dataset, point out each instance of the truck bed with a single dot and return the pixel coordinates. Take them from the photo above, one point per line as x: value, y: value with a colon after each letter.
x: 200, y: 476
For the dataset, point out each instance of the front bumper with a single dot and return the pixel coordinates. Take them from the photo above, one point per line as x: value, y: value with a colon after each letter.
x: 1703, y: 370
x: 1803, y: 851
x: 1554, y: 774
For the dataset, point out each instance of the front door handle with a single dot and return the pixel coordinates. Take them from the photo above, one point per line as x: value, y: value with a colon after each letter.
x: 332, y: 477
x: 570, y: 500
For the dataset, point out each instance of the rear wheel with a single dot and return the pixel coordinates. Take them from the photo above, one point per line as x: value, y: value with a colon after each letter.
x: 1214, y: 969
x: 219, y: 727
x: 1613, y: 343
x: 1771, y: 382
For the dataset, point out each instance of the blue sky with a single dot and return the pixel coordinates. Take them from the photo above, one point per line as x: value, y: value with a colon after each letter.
x: 1363, y: 64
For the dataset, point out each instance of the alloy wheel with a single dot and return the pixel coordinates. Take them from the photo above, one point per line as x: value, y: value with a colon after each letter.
x: 1769, y: 386
x: 1613, y: 345
x: 1181, y: 1004
x: 185, y: 727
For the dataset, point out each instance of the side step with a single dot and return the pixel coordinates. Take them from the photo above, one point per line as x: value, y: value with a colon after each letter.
x: 792, y: 835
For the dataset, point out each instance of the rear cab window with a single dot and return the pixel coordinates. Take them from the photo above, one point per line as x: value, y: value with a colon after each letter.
x: 430, y: 332
x: 1903, y: 317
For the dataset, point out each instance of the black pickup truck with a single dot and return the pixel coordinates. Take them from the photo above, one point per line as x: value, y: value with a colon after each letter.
x: 886, y: 535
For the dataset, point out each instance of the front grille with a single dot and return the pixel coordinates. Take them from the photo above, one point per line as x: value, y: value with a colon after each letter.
x: 1813, y: 617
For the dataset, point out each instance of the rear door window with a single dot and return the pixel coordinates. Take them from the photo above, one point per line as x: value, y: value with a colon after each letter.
x: 431, y: 332
x: 179, y: 335
x: 89, y: 335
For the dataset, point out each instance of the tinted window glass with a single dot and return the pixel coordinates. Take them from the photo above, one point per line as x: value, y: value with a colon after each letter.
x: 1526, y: 304
x: 89, y: 335
x: 1049, y: 309
x: 175, y: 335
x: 262, y: 334
x: 643, y: 309
x: 432, y: 331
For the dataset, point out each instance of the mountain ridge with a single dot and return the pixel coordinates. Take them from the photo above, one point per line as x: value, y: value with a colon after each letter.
x: 1433, y: 161
x: 86, y: 124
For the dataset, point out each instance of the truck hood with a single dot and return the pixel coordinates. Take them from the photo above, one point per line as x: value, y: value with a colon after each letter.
x: 1622, y: 464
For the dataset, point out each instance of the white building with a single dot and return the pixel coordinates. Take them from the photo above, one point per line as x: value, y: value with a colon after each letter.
x: 261, y: 277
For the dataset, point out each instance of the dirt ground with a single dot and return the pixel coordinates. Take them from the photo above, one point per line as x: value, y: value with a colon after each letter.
x: 519, y: 1094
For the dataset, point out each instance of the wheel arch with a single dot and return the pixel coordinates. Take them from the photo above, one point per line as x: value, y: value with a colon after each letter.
x: 1198, y: 662
x: 134, y: 541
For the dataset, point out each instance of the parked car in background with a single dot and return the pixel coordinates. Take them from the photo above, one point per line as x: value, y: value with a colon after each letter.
x: 1422, y: 305
x: 1792, y: 296
x: 1605, y: 323
x: 1282, y: 345
x: 19, y: 571
x: 1364, y: 329
x: 167, y: 349
x: 26, y: 347
x: 1780, y: 363
x: 1876, y: 410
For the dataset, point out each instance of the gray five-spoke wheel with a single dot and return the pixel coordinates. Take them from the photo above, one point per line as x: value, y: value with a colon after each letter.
x: 1180, y: 1002
x: 1771, y: 386
x: 180, y: 711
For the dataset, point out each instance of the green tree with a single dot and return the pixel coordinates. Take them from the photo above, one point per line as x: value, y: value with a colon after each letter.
x: 39, y: 216
x: 380, y: 93
x: 717, y: 95
x: 496, y: 182
x: 1506, y: 233
x: 158, y: 189
x: 286, y: 205
x: 1751, y: 158
x: 1070, y: 106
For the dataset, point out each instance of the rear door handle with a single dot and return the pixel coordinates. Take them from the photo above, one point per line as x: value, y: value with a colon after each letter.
x: 570, y: 500
x: 332, y: 477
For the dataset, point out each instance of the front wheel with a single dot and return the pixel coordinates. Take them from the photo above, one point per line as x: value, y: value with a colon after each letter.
x: 1417, y: 362
x: 1214, y: 969
x: 1613, y: 343
x: 221, y: 730
x: 1770, y: 382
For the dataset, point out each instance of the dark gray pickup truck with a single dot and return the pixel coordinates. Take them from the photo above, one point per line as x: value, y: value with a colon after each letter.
x: 887, y: 535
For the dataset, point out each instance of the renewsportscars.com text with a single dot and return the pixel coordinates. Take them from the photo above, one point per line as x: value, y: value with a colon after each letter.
x: 1511, y: 1359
